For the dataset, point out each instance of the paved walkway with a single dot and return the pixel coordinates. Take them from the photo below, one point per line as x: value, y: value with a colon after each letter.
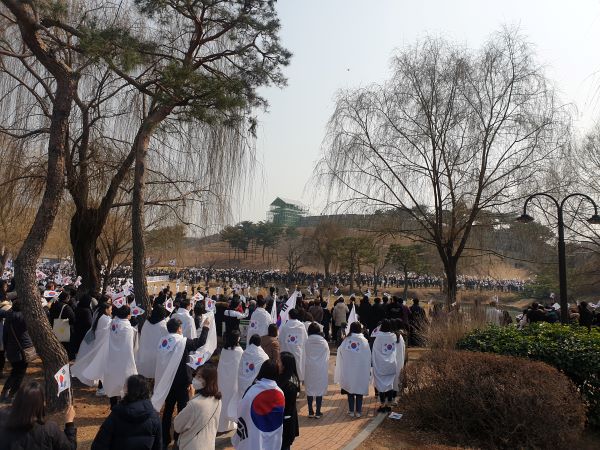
x: 335, y: 429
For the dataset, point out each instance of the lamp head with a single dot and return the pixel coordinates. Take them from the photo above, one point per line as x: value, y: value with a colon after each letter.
x: 524, y: 218
x: 594, y: 220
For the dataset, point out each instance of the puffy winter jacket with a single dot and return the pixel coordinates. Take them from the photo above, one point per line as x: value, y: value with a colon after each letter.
x: 130, y: 426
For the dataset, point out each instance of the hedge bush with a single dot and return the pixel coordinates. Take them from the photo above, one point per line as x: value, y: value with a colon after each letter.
x: 571, y: 349
x: 493, y: 401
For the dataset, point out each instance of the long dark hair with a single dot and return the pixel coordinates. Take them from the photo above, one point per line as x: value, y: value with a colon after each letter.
x: 232, y: 339
x: 288, y: 369
x: 101, y: 309
x: 28, y: 408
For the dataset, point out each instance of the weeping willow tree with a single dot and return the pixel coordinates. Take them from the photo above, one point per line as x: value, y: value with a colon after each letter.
x: 198, y: 66
x: 453, y: 132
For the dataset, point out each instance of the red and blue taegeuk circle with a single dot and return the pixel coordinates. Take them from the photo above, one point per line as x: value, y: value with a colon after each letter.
x: 267, y: 410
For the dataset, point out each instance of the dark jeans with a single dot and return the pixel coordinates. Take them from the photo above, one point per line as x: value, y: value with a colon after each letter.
x: 383, y: 396
x: 179, y: 395
x: 14, y: 380
x: 359, y: 401
x: 319, y: 401
x: 2, y: 360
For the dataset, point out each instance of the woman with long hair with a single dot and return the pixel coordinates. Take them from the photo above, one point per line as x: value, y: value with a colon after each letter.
x: 133, y: 422
x: 24, y: 424
x: 289, y: 383
x: 316, y: 379
x: 198, y: 422
x: 93, y: 351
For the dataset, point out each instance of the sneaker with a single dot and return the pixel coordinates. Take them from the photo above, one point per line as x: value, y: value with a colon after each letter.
x: 381, y: 409
x: 311, y: 415
x: 318, y: 415
x: 357, y: 415
x: 100, y: 392
x: 351, y: 413
x: 388, y: 409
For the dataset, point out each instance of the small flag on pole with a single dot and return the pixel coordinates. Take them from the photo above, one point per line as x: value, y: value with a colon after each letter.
x: 63, y: 378
x: 351, y: 319
x: 169, y: 305
x: 136, y: 310
x: 118, y: 302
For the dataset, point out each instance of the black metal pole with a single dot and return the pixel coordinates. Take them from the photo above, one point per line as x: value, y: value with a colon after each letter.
x: 562, y: 269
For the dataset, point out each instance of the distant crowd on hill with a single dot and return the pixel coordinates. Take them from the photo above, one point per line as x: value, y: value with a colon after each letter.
x: 264, y: 278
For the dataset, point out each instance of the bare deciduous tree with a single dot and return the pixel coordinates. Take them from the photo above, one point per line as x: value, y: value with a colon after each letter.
x: 452, y: 133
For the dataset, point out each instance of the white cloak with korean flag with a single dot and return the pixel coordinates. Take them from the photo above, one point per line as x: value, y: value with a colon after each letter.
x: 353, y: 365
x: 149, y: 339
x: 385, y: 363
x: 400, y: 355
x: 259, y: 323
x: 120, y: 363
x: 229, y: 363
x: 91, y: 359
x: 316, y: 377
x: 260, y: 418
x: 252, y: 360
x: 187, y: 323
x: 169, y: 354
x: 292, y: 338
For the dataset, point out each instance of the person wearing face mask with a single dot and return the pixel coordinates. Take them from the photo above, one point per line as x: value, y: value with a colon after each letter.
x: 198, y: 422
x: 173, y: 376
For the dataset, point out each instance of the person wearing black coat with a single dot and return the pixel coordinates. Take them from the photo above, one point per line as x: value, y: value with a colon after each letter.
x: 365, y: 313
x: 133, y: 424
x: 63, y: 308
x: 23, y: 426
x: 16, y: 340
x: 83, y: 321
x: 289, y: 383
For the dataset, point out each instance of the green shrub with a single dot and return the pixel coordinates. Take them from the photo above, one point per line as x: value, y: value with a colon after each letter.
x: 492, y: 401
x: 571, y: 349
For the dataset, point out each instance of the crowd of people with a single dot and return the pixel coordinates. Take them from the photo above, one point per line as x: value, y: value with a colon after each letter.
x: 183, y: 355
x: 146, y: 368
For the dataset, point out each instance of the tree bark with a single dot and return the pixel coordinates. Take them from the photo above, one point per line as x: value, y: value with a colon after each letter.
x: 141, y: 144
x: 48, y: 347
x: 450, y: 269
x: 84, y: 233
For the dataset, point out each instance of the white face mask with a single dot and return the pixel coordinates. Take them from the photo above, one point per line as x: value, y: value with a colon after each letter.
x: 198, y: 383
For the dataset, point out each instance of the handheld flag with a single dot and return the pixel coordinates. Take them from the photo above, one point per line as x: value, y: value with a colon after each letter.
x: 274, y: 311
x: 50, y: 294
x: 351, y: 319
x: 210, y: 305
x: 118, y: 302
x: 289, y: 304
x: 136, y: 310
x: 169, y: 305
x: 63, y: 378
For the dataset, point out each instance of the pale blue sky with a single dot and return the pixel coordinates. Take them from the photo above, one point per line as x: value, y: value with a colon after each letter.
x: 347, y: 43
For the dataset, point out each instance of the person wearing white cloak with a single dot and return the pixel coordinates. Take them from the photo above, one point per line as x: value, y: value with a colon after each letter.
x: 385, y: 365
x: 187, y: 321
x: 400, y: 358
x: 353, y: 368
x: 292, y: 338
x: 120, y: 363
x: 252, y: 359
x: 173, y: 377
x: 152, y: 331
x: 229, y: 363
x: 316, y: 378
x: 91, y: 359
x: 260, y: 320
x: 261, y: 413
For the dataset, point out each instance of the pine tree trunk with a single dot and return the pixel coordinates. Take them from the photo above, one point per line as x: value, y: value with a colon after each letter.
x: 48, y: 347
x: 84, y: 233
x: 141, y: 144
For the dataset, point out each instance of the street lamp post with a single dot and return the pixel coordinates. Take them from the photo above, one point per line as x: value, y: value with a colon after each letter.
x: 562, y: 262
